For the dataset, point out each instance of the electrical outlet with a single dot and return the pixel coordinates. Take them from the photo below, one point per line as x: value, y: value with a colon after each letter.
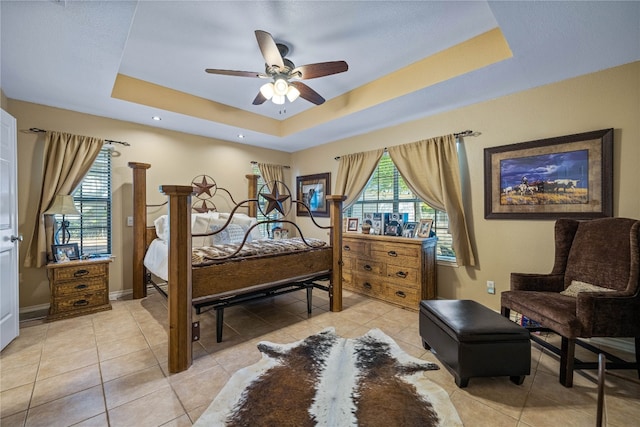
x: 491, y: 287
x: 129, y: 221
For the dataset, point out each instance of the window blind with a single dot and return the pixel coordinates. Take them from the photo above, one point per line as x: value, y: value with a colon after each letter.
x: 92, y: 229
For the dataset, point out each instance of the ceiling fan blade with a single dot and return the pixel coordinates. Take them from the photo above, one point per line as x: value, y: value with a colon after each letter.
x: 307, y: 93
x: 269, y: 49
x: 260, y: 99
x: 236, y: 73
x: 312, y: 71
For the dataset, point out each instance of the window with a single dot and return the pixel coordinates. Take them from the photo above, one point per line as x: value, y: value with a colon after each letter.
x: 265, y: 229
x: 92, y: 229
x: 386, y: 192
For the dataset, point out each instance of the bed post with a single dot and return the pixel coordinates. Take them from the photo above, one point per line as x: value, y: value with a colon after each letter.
x: 335, y: 289
x: 252, y: 193
x: 180, y: 355
x: 139, y: 227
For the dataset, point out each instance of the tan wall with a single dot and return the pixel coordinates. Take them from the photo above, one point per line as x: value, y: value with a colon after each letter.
x: 175, y: 158
x: 607, y: 99
x: 610, y: 98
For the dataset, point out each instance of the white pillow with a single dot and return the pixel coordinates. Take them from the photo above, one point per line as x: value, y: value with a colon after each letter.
x: 577, y: 286
x: 198, y: 224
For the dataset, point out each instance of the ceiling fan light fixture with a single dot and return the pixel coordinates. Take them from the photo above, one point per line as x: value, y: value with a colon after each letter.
x: 280, y: 87
x: 278, y: 99
x: 292, y: 93
x: 267, y: 90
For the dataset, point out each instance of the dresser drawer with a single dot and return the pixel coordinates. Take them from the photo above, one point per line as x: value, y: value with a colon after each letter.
x: 88, y: 285
x: 408, y: 297
x: 407, y: 276
x: 79, y: 301
x: 352, y: 247
x: 370, y: 267
x: 394, y: 250
x: 78, y: 272
x: 368, y: 286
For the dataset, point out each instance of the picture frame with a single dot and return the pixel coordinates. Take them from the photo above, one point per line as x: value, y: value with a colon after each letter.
x: 66, y: 252
x: 568, y: 176
x: 352, y: 224
x: 424, y: 228
x: 312, y: 191
x: 409, y: 229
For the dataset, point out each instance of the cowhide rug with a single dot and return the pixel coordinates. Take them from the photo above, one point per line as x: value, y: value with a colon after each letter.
x: 331, y: 381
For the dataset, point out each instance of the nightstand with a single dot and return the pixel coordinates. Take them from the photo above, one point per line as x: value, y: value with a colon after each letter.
x: 78, y: 288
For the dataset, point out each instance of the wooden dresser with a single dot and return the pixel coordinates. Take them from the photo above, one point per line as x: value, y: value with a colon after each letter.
x: 78, y: 288
x: 398, y: 270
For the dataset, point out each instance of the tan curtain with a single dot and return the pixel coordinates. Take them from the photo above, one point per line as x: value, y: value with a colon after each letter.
x: 272, y: 173
x: 67, y: 159
x: 431, y: 170
x: 354, y: 171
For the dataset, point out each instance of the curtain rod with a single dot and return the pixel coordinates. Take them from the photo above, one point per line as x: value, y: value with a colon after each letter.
x: 108, y: 141
x: 253, y: 162
x: 457, y: 135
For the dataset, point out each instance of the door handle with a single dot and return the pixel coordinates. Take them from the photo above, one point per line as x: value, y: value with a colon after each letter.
x: 17, y: 238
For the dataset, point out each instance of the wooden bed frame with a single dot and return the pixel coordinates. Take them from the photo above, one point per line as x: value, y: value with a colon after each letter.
x: 189, y: 284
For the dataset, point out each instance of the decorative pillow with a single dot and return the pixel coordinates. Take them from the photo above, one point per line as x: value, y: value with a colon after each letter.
x: 245, y: 221
x: 576, y: 287
x: 236, y: 233
x: 221, y: 238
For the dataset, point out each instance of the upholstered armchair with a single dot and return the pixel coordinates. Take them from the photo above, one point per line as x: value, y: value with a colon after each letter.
x: 592, y: 291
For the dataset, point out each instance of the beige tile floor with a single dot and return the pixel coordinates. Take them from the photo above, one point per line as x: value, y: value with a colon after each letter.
x: 110, y: 368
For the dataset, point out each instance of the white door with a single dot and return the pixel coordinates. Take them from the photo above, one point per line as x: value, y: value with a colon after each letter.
x: 9, y: 237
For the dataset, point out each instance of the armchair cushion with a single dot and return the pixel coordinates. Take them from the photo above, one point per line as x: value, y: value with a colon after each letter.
x: 577, y: 286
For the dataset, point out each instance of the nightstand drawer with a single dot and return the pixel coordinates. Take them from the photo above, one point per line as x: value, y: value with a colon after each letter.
x: 91, y: 284
x: 79, y: 301
x: 78, y: 287
x: 80, y: 271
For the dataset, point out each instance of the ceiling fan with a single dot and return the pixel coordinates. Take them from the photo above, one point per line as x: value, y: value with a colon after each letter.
x: 284, y: 74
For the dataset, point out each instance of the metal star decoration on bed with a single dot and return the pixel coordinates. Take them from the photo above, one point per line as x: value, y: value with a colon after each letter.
x: 275, y: 200
x: 204, y: 186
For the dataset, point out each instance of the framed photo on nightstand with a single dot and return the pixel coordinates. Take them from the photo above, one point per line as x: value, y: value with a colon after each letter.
x: 66, y: 252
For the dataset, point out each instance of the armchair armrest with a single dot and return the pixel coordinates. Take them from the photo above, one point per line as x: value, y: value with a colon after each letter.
x: 537, y: 282
x: 613, y: 314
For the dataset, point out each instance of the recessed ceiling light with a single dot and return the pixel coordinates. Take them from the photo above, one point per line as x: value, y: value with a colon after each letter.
x: 241, y: 136
x: 156, y: 118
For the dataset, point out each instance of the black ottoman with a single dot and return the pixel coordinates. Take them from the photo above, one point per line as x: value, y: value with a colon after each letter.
x: 474, y: 341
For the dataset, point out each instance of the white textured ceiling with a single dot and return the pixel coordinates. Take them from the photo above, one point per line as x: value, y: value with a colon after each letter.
x: 68, y: 54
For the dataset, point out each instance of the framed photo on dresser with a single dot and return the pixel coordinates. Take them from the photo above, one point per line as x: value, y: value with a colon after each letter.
x: 424, y: 228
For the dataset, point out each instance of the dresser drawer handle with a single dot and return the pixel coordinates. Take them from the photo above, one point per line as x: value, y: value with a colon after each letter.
x: 392, y: 253
x: 82, y: 286
x: 401, y: 294
x: 366, y: 285
x: 80, y: 273
x: 346, y: 248
x: 81, y: 303
x: 367, y: 267
x: 402, y: 274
